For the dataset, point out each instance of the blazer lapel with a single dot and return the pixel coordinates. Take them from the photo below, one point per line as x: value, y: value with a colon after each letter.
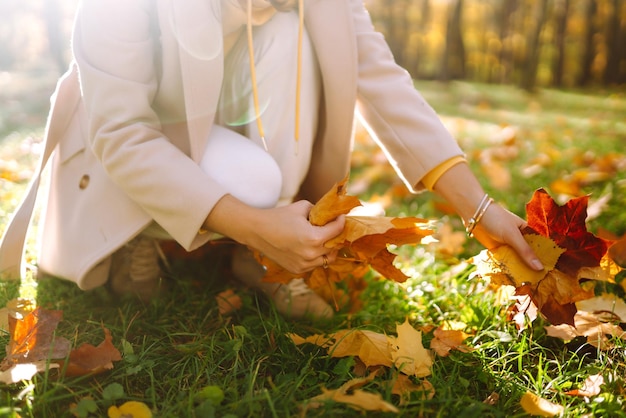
x: 196, y: 24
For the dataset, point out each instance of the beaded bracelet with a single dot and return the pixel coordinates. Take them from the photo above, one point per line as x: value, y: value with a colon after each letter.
x: 478, y: 215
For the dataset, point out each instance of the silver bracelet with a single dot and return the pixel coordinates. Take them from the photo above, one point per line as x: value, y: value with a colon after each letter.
x: 484, y: 204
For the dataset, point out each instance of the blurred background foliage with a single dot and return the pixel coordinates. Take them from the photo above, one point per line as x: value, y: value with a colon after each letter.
x: 527, y: 43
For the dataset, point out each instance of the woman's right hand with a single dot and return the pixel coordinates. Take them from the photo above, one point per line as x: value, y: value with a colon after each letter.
x: 284, y: 234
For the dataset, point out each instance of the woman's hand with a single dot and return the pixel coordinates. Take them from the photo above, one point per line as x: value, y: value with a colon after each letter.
x: 284, y: 234
x: 498, y: 226
x: 461, y: 189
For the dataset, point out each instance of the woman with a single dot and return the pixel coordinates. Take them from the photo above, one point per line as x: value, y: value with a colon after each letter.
x: 193, y: 119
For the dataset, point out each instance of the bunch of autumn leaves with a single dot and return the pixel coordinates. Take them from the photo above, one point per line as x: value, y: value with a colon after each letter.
x: 573, y: 257
x: 362, y: 245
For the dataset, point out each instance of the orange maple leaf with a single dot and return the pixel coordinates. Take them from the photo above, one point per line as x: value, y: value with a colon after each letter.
x: 33, y: 338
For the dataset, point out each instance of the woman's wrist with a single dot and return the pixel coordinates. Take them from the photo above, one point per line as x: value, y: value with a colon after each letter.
x: 460, y: 188
x: 232, y: 218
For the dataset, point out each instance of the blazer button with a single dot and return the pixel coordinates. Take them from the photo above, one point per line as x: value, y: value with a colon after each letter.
x: 84, y: 182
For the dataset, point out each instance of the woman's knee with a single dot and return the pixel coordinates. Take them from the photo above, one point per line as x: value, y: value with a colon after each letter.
x: 243, y: 168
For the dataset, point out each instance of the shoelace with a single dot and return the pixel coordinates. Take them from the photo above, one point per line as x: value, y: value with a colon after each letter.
x: 144, y: 254
x: 255, y: 90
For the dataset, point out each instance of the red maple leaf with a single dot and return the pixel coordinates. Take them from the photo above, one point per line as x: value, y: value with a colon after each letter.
x: 566, y: 226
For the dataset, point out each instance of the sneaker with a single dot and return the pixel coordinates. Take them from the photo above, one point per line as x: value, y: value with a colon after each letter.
x: 294, y: 300
x: 135, y: 269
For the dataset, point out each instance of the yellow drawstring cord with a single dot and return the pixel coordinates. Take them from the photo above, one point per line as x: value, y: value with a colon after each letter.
x: 255, y: 90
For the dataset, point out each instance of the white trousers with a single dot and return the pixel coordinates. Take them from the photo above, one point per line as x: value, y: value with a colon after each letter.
x: 235, y: 156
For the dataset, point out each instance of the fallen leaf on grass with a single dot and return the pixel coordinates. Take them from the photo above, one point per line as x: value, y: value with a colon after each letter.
x: 33, y: 338
x: 34, y: 347
x: 403, y: 386
x: 228, y: 302
x: 408, y: 353
x: 590, y: 387
x: 370, y: 347
x: 374, y: 349
x: 448, y: 340
x: 89, y: 359
x: 351, y: 394
x: 130, y: 409
x: 534, y: 405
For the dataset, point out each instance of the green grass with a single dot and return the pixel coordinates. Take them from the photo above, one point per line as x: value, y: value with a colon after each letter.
x: 180, y: 356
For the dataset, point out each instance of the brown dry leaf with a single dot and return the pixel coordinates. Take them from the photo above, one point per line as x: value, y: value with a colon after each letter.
x: 607, y: 303
x: 590, y: 326
x: 228, y: 302
x: 447, y: 340
x: 405, y: 351
x: 403, y: 386
x: 334, y: 203
x: 350, y: 394
x: 370, y: 347
x: 591, y: 386
x: 89, y: 359
x: 408, y: 353
x: 534, y: 405
x: 33, y: 338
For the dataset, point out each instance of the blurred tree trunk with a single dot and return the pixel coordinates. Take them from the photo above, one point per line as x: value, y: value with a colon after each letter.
x: 453, y: 59
x: 589, y: 51
x: 533, y: 42
x: 395, y: 23
x: 612, y: 70
x: 561, y: 11
x: 622, y: 77
x: 505, y: 18
x: 422, y: 29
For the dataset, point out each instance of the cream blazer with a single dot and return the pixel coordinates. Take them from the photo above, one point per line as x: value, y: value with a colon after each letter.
x: 132, y: 116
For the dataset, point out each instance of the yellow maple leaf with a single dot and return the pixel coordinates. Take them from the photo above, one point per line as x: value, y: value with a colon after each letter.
x: 369, y: 346
x: 408, y: 353
x: 405, y: 351
x: 130, y: 409
x: 534, y: 405
x: 504, y: 264
x: 350, y: 394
